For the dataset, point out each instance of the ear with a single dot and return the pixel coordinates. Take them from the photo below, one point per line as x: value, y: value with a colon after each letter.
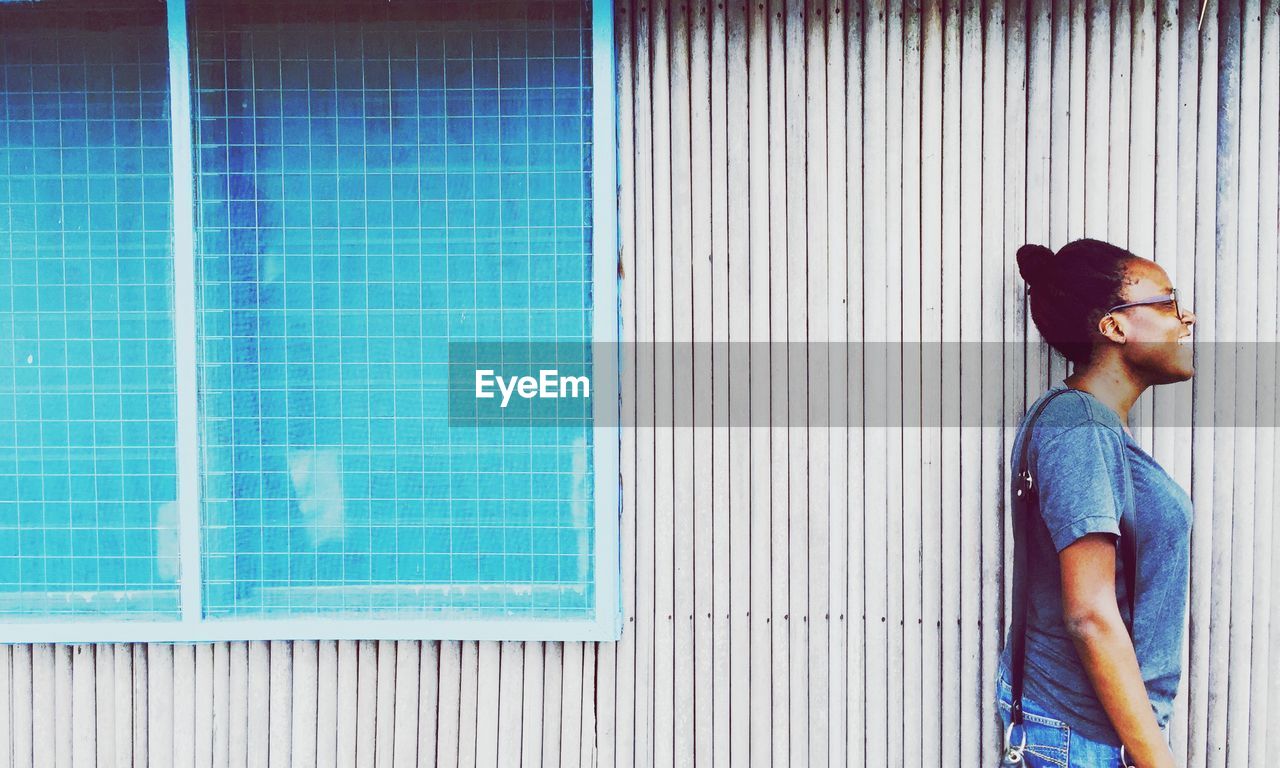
x: 1110, y: 327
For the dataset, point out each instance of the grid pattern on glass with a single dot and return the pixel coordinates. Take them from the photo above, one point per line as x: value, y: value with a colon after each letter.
x: 87, y: 461
x: 374, y: 181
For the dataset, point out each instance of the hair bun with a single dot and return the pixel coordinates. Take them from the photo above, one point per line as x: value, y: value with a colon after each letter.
x: 1032, y: 260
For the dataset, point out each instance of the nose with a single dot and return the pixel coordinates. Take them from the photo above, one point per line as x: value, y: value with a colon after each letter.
x: 1188, y: 317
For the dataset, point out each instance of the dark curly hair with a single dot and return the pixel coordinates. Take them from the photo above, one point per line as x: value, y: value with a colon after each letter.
x: 1071, y: 290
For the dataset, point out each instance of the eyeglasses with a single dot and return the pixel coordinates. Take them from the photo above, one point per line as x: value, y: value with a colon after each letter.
x: 1171, y: 298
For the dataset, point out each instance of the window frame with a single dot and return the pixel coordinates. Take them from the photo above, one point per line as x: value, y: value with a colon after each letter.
x: 606, y: 319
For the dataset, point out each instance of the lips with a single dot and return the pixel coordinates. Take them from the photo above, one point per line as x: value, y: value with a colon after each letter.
x: 1183, y: 340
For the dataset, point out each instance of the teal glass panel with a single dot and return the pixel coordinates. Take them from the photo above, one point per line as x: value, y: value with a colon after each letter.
x: 88, y: 525
x: 376, y: 181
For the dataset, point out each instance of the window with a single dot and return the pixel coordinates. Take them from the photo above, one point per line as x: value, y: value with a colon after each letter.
x: 367, y: 185
x: 88, y: 474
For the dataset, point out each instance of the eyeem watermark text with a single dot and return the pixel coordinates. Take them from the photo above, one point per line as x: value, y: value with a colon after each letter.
x: 547, y: 385
x: 824, y: 384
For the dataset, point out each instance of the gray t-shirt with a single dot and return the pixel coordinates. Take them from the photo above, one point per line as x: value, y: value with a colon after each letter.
x: 1088, y: 472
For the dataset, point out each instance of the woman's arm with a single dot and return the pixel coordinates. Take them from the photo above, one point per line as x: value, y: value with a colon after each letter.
x: 1093, y: 618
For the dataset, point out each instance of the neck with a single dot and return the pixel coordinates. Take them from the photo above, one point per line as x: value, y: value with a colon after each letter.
x: 1117, y: 390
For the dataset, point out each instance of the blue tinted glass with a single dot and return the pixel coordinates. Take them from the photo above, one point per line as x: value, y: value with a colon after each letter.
x: 374, y: 181
x: 87, y: 458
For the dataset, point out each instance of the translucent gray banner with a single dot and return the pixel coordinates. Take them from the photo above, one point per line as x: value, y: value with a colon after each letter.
x: 797, y: 384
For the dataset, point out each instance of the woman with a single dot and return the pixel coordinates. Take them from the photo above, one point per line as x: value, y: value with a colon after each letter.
x: 1091, y: 692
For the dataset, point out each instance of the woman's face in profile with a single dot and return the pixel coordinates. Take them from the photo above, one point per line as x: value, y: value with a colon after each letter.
x: 1157, y: 335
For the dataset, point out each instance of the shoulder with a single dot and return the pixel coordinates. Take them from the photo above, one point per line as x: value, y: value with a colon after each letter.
x: 1071, y: 415
x: 1078, y: 458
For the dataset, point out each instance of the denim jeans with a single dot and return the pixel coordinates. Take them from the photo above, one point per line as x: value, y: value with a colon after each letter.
x: 1050, y: 742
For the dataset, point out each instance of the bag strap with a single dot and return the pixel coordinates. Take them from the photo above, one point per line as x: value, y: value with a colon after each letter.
x: 1024, y: 494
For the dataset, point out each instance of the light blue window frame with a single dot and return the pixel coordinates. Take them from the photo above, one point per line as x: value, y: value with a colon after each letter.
x: 606, y: 623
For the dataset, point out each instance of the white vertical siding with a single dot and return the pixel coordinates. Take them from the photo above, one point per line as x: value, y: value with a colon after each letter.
x: 795, y: 170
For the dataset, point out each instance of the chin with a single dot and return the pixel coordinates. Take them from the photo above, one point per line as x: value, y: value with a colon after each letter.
x: 1169, y: 366
x: 1181, y: 373
x: 1172, y: 372
x: 1181, y: 367
x: 1171, y: 376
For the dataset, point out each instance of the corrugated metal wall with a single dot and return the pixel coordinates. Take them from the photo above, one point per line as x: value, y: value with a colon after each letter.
x: 823, y: 595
